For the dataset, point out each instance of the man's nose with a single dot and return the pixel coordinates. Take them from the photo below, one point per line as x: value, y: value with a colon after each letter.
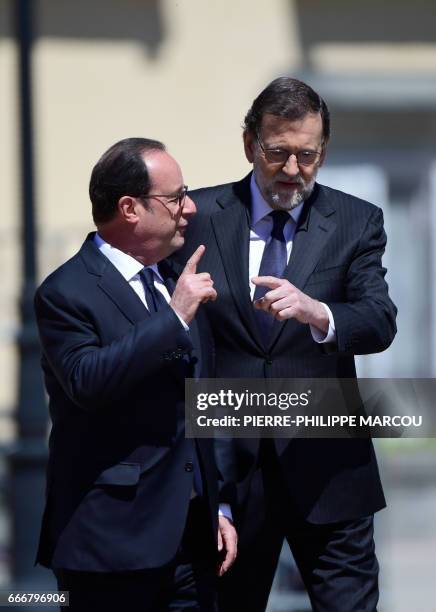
x: 291, y: 167
x: 189, y: 207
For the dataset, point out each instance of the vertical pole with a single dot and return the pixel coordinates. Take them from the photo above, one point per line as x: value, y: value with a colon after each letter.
x: 27, y: 461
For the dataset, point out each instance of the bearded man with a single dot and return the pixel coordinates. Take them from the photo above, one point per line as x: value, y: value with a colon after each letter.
x: 317, y: 298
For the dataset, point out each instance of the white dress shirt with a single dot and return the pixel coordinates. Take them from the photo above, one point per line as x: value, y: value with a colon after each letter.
x: 260, y: 234
x: 129, y: 268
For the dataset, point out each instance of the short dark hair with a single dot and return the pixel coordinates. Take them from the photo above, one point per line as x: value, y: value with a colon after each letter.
x: 289, y: 98
x: 120, y: 171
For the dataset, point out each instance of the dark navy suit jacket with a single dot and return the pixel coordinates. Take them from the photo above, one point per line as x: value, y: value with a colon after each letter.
x: 120, y: 468
x: 336, y: 258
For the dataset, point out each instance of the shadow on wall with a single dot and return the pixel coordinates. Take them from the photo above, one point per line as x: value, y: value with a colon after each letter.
x: 373, y: 63
x: 392, y: 21
x: 140, y: 20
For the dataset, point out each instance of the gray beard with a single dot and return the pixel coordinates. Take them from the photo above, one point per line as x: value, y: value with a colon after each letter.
x: 278, y: 202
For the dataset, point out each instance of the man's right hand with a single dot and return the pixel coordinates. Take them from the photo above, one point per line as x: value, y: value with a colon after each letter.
x: 192, y: 289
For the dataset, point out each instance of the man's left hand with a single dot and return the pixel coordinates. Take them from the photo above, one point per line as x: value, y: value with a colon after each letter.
x: 285, y: 301
x: 227, y: 544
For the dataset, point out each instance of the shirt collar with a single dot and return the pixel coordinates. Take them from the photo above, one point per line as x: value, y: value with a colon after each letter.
x: 127, y: 266
x: 260, y: 208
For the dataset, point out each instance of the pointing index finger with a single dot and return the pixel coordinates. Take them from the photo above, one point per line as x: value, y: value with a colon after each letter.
x: 191, y: 264
x: 267, y: 281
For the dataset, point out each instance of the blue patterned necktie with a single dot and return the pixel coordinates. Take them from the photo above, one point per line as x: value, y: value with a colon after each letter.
x: 273, y: 263
x: 154, y: 298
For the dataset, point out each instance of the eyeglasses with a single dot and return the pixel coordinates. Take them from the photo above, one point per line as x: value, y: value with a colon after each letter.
x: 280, y: 156
x: 177, y: 199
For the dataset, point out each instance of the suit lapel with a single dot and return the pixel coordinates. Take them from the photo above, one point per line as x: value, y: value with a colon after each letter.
x: 315, y: 228
x: 120, y: 292
x: 234, y: 249
x: 112, y: 283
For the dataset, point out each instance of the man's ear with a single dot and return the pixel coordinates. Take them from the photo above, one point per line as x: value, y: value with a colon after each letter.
x: 249, y: 145
x: 127, y: 209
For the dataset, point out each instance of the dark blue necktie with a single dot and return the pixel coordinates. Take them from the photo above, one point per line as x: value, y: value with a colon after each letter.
x: 273, y: 263
x: 154, y: 298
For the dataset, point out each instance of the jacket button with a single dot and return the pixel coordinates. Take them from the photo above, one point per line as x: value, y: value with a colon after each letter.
x: 189, y: 466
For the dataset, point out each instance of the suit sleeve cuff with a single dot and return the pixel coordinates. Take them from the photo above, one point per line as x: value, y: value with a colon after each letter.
x: 319, y: 336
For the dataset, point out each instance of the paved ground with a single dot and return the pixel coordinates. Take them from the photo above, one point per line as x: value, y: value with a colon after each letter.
x: 405, y: 537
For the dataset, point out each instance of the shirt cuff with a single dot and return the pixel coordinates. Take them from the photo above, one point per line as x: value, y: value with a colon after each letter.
x: 319, y: 336
x: 225, y: 510
x: 185, y: 325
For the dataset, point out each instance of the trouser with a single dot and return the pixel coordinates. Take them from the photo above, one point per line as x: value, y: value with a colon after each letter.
x: 337, y: 561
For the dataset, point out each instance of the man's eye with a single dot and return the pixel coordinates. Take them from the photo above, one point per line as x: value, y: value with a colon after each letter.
x: 307, y: 157
x: 277, y: 153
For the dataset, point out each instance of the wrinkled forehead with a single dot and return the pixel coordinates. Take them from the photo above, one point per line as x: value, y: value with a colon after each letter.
x: 308, y: 128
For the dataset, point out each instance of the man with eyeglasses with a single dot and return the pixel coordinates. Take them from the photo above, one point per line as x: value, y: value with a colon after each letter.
x: 131, y: 519
x: 298, y: 272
